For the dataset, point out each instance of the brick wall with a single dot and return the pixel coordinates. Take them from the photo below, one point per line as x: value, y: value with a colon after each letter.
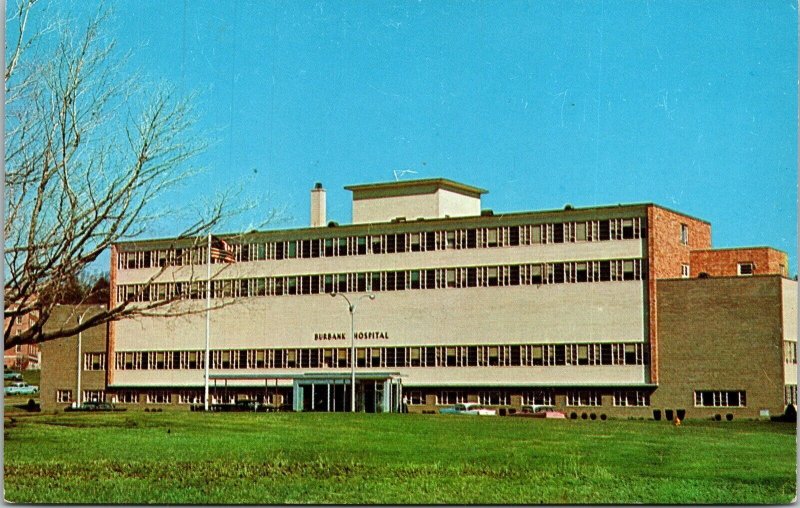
x: 720, y: 334
x: 724, y: 262
x: 666, y: 253
x: 25, y: 356
x: 60, y: 358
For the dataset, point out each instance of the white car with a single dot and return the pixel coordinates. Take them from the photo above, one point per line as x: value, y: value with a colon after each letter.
x: 468, y: 408
x: 21, y: 388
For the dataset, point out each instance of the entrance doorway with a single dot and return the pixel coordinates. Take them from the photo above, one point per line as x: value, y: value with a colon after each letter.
x: 373, y: 395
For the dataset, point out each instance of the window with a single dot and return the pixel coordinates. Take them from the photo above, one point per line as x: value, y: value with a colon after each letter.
x: 450, y: 397
x: 94, y: 361
x: 746, y: 268
x: 719, y: 399
x: 631, y: 398
x: 789, y: 351
x: 126, y: 397
x: 684, y: 234
x: 790, y: 394
x: 493, y: 398
x: 63, y: 396
x: 94, y: 396
x: 583, y: 398
x: 685, y: 271
x: 190, y: 397
x: 538, y: 397
x: 158, y: 397
x: 415, y: 397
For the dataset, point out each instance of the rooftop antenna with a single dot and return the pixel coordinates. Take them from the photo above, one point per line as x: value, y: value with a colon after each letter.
x: 398, y: 173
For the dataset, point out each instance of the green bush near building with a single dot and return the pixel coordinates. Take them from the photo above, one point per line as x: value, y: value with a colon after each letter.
x: 319, y: 458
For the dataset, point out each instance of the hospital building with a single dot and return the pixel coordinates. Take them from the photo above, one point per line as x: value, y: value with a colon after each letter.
x: 619, y: 310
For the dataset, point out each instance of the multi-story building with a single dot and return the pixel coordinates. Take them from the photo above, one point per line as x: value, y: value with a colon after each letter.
x: 23, y: 356
x: 614, y: 310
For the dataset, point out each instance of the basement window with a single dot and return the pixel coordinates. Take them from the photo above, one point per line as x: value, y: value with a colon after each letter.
x: 631, y: 398
x: 158, y: 397
x: 719, y: 399
x: 94, y: 395
x: 583, y: 398
x: 538, y: 397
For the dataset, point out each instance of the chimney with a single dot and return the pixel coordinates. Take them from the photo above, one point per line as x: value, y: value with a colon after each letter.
x: 317, y: 206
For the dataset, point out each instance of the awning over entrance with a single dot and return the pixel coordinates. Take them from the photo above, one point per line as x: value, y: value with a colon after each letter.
x: 376, y: 392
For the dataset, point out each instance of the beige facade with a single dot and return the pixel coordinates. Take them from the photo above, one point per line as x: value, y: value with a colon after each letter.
x: 412, y: 200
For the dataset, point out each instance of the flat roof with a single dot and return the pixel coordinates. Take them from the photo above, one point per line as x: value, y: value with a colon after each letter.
x: 420, y: 186
x: 495, y: 219
x: 570, y: 213
x: 758, y: 247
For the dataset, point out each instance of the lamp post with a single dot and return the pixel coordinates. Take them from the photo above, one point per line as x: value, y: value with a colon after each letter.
x: 352, y: 308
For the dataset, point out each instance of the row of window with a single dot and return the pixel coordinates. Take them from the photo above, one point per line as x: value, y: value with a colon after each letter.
x: 88, y: 396
x: 577, y: 398
x: 502, y: 236
x: 434, y: 278
x: 422, y: 356
x: 152, y: 397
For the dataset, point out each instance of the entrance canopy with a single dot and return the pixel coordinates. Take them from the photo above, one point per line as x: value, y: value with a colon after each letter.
x: 310, y: 375
x: 376, y: 392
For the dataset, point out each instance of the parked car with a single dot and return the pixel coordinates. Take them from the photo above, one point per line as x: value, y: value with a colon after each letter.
x: 21, y: 388
x: 468, y: 408
x: 539, y: 411
x: 95, y: 406
x: 12, y: 376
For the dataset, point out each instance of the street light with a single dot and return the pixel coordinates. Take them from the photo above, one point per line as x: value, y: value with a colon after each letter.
x: 352, y: 308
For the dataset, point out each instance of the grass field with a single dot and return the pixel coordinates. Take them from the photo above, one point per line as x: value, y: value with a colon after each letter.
x: 341, y: 458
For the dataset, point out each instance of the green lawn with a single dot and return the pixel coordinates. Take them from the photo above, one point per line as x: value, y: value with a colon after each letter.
x: 396, y: 459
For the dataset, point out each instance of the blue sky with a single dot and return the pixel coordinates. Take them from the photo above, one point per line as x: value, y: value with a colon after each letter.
x: 688, y: 104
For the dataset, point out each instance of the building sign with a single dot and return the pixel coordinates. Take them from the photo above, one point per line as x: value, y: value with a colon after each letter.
x: 345, y: 336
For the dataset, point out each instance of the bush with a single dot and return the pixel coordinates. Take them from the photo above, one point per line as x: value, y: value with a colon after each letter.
x: 603, y: 417
x: 717, y: 418
x: 729, y: 416
x: 583, y: 416
x: 573, y: 415
x: 593, y: 416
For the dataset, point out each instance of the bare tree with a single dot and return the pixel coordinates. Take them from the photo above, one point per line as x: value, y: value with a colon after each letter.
x: 87, y: 152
